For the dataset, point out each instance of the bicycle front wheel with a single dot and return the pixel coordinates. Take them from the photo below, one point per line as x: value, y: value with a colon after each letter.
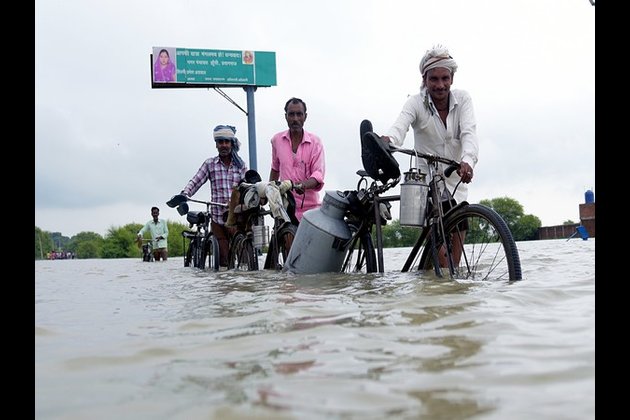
x: 188, y: 241
x: 360, y: 256
x: 198, y: 253
x: 279, y: 246
x: 212, y: 252
x: 242, y: 253
x: 188, y: 256
x: 479, y: 244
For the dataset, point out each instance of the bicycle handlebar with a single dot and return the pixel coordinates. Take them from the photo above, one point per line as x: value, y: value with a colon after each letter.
x: 452, y: 164
x: 178, y: 199
x: 208, y: 203
x: 427, y: 156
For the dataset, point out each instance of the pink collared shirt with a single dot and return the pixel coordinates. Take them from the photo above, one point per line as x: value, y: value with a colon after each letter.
x: 306, y: 162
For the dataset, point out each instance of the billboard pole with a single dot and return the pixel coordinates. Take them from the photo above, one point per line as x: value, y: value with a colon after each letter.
x: 251, y: 125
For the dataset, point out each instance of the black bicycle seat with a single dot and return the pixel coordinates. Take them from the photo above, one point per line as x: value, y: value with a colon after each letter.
x: 366, y: 125
x: 378, y: 161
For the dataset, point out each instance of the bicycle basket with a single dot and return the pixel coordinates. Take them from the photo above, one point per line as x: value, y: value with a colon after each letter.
x: 378, y: 161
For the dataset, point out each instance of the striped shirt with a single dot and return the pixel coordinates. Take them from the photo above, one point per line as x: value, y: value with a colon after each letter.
x: 222, y: 179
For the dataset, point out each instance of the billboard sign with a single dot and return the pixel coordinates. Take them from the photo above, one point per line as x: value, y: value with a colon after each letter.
x: 190, y: 67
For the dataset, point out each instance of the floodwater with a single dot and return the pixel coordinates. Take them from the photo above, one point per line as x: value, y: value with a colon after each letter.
x: 124, y: 339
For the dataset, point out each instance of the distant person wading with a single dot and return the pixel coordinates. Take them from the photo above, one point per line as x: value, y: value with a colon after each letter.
x: 159, y: 234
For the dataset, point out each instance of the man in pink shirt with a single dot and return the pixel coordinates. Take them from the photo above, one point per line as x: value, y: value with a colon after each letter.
x: 298, y: 155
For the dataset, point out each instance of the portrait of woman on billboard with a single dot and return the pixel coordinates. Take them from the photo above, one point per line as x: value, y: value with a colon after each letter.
x: 164, y: 69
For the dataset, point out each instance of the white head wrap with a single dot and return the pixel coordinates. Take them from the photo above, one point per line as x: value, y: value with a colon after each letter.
x: 227, y: 132
x: 437, y: 56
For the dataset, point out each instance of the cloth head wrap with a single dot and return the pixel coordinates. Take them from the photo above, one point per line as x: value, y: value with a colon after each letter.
x: 437, y: 56
x: 227, y: 132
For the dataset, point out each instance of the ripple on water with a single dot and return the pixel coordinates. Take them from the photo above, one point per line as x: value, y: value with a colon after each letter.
x: 136, y: 340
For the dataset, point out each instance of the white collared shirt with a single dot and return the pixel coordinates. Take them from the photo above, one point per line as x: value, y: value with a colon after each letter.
x: 457, y: 141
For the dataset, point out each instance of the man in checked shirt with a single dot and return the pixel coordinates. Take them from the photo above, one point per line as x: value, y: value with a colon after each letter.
x: 224, y: 171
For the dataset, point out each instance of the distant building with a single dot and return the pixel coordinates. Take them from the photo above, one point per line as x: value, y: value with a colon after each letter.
x: 587, y: 219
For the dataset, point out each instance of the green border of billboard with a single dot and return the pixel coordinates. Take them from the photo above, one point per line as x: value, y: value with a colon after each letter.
x: 218, y: 68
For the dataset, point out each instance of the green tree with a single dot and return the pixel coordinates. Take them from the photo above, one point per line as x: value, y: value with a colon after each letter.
x: 175, y: 239
x: 527, y: 228
x: 86, y: 245
x: 60, y: 242
x: 43, y: 243
x: 509, y: 209
x: 395, y: 235
x: 523, y: 227
x: 120, y: 242
x: 90, y: 249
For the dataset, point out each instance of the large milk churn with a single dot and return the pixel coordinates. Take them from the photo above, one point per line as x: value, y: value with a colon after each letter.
x: 319, y: 243
x: 413, y: 198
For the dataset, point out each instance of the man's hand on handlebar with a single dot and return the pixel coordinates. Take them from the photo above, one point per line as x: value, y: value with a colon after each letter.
x: 298, y: 187
x: 465, y: 172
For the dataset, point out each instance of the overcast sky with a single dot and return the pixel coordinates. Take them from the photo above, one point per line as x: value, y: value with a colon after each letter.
x: 108, y: 146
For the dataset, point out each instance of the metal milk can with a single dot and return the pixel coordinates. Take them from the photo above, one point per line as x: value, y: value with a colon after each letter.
x: 319, y: 243
x: 413, y: 198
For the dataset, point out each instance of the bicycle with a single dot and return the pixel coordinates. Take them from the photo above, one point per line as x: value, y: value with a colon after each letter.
x: 202, y: 244
x: 252, y: 234
x: 468, y: 241
x: 147, y: 250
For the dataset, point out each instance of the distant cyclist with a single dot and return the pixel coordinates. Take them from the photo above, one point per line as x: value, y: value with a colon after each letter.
x: 159, y: 234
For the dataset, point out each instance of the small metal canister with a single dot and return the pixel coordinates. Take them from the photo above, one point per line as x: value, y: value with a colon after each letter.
x: 261, y: 235
x: 413, y: 198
